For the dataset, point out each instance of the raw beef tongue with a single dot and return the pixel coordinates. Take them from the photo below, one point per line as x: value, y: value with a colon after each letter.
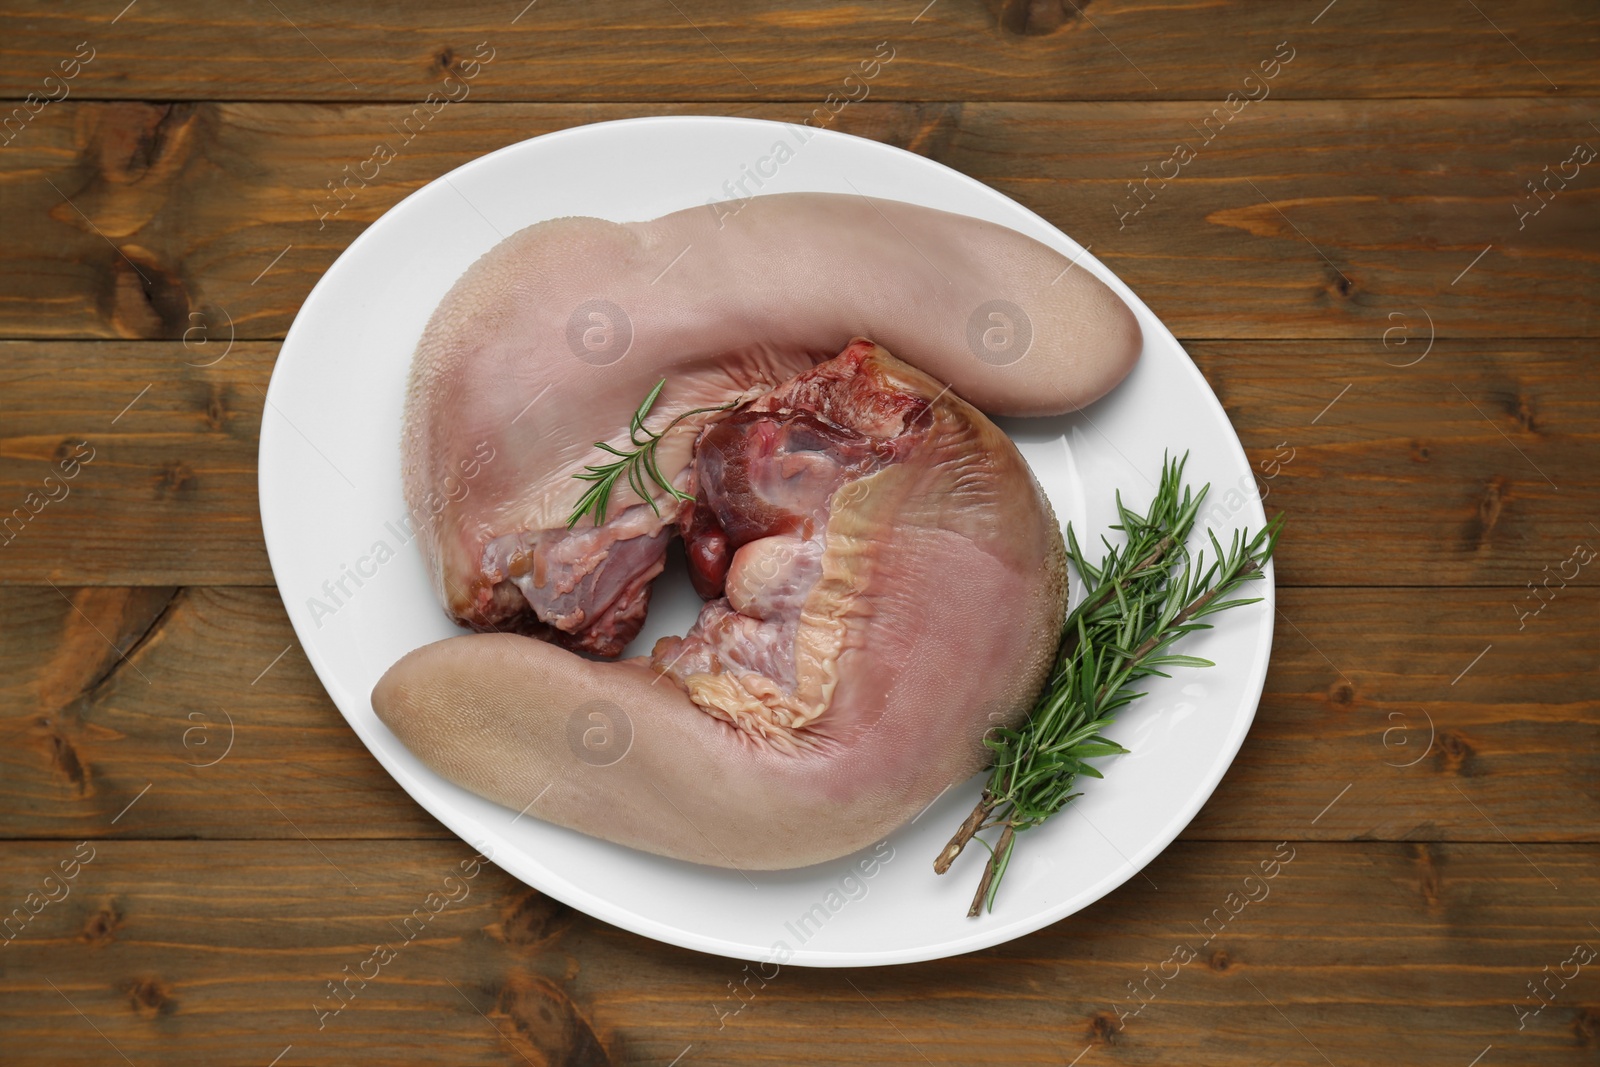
x: 887, y: 583
x: 884, y: 580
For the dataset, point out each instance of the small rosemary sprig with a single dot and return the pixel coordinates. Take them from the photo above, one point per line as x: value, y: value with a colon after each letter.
x: 636, y: 465
x: 1139, y: 602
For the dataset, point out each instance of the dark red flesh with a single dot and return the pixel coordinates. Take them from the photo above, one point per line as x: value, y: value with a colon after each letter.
x: 764, y: 473
x: 706, y: 546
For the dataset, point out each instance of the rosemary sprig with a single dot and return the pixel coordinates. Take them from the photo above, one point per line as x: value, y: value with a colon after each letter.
x: 1142, y: 597
x: 636, y: 465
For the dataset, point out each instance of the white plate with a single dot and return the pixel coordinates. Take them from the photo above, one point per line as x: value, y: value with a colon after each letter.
x: 330, y: 492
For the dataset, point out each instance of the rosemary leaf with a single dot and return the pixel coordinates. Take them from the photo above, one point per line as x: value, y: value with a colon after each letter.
x: 638, y: 466
x: 1140, y: 598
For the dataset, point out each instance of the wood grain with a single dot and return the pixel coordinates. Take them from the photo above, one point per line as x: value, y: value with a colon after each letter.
x: 1408, y: 363
x: 216, y: 952
x: 204, y: 696
x: 1432, y: 474
x: 723, y: 50
x: 1299, y: 219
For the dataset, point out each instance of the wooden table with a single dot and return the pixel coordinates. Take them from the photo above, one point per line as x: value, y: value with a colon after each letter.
x: 1382, y: 249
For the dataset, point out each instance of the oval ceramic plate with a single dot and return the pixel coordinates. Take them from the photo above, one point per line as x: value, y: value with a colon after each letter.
x: 355, y: 587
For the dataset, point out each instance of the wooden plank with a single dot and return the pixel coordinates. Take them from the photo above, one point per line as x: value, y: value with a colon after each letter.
x: 190, y: 952
x: 1424, y: 740
x: 1464, y: 467
x: 1389, y: 708
x: 196, y: 707
x: 169, y: 486
x: 802, y: 49
x: 1420, y: 714
x: 1297, y: 219
x: 1432, y: 474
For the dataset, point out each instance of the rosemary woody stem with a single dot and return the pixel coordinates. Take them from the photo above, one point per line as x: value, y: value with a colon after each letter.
x: 970, y: 826
x: 1069, y: 640
x: 1002, y: 852
x: 1188, y: 613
